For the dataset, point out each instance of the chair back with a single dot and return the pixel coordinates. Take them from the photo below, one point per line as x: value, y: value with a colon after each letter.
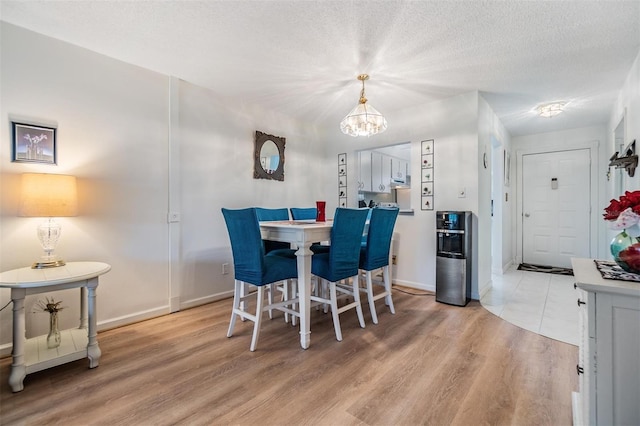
x: 376, y: 253
x: 265, y: 215
x: 346, y: 234
x: 246, y: 244
x: 303, y: 213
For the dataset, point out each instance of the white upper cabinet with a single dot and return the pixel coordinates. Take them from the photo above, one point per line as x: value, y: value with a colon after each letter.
x: 364, y: 171
x: 380, y: 172
x: 399, y: 170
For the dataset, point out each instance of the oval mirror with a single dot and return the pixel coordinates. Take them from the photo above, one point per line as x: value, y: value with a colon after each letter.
x: 268, y: 157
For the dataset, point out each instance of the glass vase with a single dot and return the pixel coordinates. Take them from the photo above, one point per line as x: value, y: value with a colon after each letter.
x: 625, y: 250
x: 53, y: 338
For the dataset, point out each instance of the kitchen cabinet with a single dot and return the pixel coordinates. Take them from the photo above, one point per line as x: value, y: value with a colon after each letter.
x: 380, y: 172
x: 364, y: 171
x: 399, y: 170
x: 608, y: 366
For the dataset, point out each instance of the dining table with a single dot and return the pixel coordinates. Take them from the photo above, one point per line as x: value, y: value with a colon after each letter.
x: 301, y: 234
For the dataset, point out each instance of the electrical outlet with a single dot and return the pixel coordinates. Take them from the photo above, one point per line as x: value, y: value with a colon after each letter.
x: 225, y: 268
x: 393, y: 260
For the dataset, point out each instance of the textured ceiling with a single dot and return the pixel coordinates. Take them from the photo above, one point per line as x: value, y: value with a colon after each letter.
x: 301, y: 57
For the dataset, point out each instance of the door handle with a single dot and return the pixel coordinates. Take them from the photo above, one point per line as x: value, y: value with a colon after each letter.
x: 527, y: 215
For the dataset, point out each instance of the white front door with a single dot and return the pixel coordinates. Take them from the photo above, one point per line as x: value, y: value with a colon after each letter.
x: 556, y: 201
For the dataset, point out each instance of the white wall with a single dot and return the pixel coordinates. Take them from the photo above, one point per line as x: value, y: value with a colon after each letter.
x: 453, y: 125
x: 138, y: 141
x: 627, y: 106
x: 112, y: 134
x: 492, y: 132
x: 216, y: 171
x: 587, y: 137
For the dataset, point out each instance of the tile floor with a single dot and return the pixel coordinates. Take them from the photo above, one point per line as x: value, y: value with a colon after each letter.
x: 540, y: 302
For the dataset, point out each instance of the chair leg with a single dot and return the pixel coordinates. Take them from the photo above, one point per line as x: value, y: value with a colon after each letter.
x: 387, y: 287
x: 372, y: 304
x: 285, y: 296
x: 243, y: 304
x: 324, y: 289
x: 258, y: 322
x: 334, y: 311
x: 272, y: 289
x: 294, y: 306
x: 237, y: 295
x: 356, y: 297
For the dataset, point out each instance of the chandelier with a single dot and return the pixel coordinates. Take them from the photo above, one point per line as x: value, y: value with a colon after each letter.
x: 550, y: 110
x: 363, y: 120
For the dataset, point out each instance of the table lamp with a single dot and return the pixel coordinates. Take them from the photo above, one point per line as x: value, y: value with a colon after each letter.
x: 48, y: 195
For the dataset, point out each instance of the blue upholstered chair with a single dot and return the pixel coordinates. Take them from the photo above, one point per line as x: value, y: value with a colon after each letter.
x: 251, y: 266
x: 375, y: 255
x: 265, y: 215
x: 278, y: 248
x: 303, y: 213
x: 341, y: 263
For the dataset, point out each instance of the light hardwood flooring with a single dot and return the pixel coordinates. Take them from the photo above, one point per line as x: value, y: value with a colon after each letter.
x: 429, y: 363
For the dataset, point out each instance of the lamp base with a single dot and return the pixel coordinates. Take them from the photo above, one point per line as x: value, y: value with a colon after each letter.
x: 48, y: 262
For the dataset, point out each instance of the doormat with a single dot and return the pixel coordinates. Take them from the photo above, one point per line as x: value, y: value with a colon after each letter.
x: 543, y: 268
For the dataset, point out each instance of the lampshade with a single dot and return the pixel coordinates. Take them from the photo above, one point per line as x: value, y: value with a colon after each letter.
x: 363, y: 120
x: 48, y: 195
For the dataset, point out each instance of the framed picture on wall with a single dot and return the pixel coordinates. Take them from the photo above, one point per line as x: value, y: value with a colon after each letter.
x: 33, y: 143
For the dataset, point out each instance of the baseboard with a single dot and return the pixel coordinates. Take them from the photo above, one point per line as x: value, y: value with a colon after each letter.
x: 133, y: 318
x: 5, y: 349
x: 417, y: 286
x: 502, y: 269
x: 207, y: 299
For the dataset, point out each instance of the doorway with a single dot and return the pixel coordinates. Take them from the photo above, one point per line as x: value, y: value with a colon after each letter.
x: 556, y: 202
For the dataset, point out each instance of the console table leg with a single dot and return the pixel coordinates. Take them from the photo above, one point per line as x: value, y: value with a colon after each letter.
x: 18, y: 368
x: 93, y: 350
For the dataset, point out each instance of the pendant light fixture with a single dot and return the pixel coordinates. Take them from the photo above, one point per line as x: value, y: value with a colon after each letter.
x: 363, y: 120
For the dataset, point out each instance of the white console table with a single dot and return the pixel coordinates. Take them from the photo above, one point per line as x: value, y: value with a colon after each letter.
x: 31, y: 355
x: 609, y: 352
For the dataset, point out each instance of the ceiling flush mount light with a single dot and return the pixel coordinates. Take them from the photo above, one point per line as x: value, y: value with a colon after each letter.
x: 363, y: 120
x: 550, y: 110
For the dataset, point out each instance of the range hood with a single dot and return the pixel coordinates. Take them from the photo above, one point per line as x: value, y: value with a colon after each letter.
x: 401, y: 184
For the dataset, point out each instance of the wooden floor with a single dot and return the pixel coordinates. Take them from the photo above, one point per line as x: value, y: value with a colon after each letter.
x: 429, y: 363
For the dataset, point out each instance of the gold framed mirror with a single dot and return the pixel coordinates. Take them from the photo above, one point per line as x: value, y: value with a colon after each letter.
x: 268, y: 157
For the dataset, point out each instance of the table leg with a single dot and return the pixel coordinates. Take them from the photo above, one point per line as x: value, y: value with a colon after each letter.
x: 303, y: 256
x: 83, y: 308
x: 18, y: 368
x: 93, y: 350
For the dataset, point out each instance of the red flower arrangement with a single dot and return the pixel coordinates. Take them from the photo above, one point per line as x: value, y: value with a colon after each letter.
x: 625, y: 215
x: 616, y: 207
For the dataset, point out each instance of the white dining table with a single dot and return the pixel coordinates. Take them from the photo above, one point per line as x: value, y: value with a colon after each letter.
x: 301, y: 234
